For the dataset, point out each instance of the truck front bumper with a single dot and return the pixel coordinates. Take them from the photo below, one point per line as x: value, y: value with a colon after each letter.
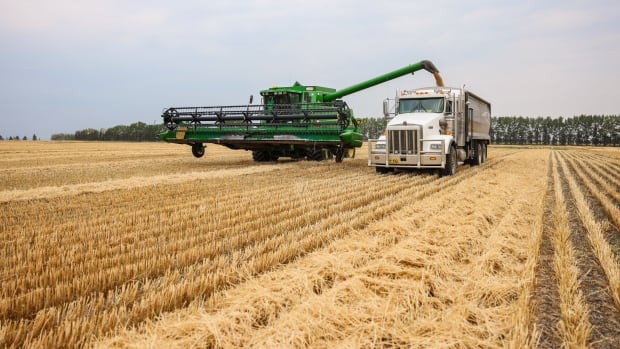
x: 378, y: 156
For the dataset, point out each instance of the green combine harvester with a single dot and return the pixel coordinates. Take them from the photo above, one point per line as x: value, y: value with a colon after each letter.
x: 298, y: 121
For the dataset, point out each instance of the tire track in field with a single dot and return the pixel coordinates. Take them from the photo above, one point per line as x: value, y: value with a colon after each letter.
x: 546, y: 295
x: 604, y: 316
x: 600, y: 167
x: 611, y: 164
x: 603, y: 205
x: 602, y: 179
x: 593, y: 284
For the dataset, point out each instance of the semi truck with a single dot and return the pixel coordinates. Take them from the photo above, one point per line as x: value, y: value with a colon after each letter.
x: 299, y: 121
x: 432, y: 128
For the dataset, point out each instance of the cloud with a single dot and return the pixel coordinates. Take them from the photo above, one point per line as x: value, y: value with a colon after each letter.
x: 120, y: 62
x: 79, y: 19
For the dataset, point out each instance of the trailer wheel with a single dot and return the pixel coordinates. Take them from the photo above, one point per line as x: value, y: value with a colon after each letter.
x: 484, y: 152
x: 450, y: 169
x: 477, y: 160
x: 198, y: 150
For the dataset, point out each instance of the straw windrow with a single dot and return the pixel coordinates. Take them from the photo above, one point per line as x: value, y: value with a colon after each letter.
x: 139, y: 245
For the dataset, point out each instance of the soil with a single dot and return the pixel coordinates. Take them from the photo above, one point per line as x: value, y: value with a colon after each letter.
x: 604, y: 314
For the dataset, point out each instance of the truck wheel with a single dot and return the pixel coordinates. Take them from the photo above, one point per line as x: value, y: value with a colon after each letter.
x: 450, y: 169
x: 198, y: 150
x: 381, y: 169
x: 477, y: 160
x: 484, y: 153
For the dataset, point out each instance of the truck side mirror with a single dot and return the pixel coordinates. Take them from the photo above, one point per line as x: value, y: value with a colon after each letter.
x: 386, y: 108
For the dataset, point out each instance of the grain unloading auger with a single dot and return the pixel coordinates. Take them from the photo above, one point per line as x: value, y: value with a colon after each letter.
x: 297, y: 121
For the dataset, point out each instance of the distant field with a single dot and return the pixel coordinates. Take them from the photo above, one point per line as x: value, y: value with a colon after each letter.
x: 142, y: 245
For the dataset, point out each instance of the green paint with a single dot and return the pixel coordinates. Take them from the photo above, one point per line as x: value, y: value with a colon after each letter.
x: 326, y: 127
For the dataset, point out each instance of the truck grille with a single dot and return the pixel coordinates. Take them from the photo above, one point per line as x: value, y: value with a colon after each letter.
x: 402, y: 141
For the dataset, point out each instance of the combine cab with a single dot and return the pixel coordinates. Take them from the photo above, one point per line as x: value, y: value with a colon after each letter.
x: 298, y: 121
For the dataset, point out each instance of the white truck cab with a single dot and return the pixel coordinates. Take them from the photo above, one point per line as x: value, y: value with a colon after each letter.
x: 432, y: 127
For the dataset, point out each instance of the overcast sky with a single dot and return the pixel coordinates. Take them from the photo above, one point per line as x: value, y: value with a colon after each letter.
x: 66, y: 65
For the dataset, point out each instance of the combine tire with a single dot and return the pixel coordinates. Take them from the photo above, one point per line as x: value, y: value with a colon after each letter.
x: 450, y: 169
x: 263, y: 156
x: 315, y: 155
x: 198, y: 150
x: 339, y: 154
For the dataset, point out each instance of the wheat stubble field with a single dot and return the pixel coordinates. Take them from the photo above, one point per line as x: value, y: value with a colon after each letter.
x: 142, y: 245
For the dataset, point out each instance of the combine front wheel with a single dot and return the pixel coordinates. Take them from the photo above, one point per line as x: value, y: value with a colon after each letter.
x: 198, y: 150
x: 264, y: 155
x: 339, y: 154
x: 261, y: 156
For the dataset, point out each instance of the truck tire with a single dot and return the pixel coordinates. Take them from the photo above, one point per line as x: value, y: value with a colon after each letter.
x: 477, y: 160
x: 451, y: 163
x: 381, y: 169
x: 484, y: 152
x: 198, y: 150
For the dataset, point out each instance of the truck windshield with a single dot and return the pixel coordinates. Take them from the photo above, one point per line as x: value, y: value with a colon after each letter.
x: 420, y: 105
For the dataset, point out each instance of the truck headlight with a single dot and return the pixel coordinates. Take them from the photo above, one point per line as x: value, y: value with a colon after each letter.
x: 435, y: 146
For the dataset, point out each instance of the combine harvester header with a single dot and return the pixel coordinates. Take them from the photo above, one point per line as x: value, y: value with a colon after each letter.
x: 298, y: 121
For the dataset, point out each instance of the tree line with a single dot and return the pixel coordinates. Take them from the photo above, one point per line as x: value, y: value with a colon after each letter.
x: 138, y: 131
x: 16, y: 138
x: 599, y: 130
